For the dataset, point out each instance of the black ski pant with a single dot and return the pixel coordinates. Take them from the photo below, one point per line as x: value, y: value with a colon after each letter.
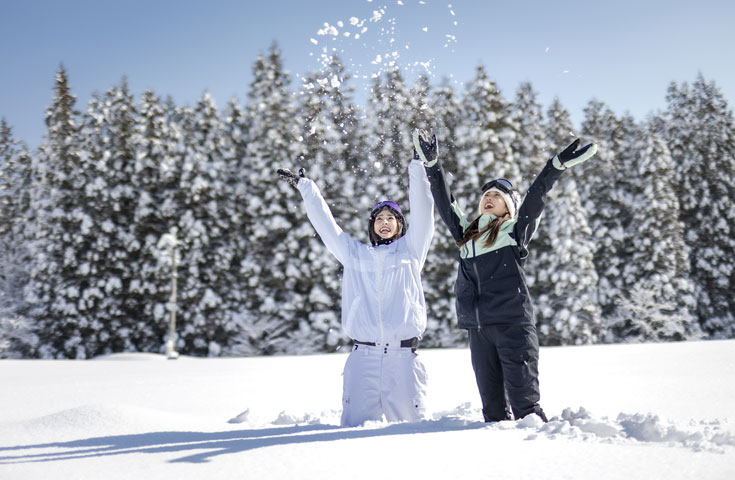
x: 505, y: 360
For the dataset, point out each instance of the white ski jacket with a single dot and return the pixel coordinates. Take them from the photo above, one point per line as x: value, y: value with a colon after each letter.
x: 382, y: 295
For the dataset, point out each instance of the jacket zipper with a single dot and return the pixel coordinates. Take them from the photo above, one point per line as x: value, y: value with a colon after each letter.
x: 477, y: 283
x: 379, y: 286
x: 477, y: 295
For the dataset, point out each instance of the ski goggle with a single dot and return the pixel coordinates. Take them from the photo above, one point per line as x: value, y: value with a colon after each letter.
x: 386, y: 203
x: 501, y: 184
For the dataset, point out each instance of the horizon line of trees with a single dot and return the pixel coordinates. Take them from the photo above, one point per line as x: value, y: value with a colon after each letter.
x: 637, y: 244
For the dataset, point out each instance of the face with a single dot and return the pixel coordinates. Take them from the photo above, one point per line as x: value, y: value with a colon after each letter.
x: 386, y: 225
x: 492, y: 202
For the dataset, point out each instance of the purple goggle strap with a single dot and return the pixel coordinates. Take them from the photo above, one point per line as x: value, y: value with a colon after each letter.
x: 387, y: 203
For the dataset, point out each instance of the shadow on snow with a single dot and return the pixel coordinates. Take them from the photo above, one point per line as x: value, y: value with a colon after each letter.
x: 215, y: 443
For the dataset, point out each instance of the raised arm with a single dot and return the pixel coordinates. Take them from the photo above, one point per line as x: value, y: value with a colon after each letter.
x: 421, y: 202
x: 529, y: 213
x: 336, y: 240
x: 447, y: 206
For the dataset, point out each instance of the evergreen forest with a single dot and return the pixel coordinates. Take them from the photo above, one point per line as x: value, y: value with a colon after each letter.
x: 129, y: 192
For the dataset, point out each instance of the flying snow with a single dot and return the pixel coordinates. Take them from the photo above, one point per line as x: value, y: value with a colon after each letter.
x: 381, y: 44
x: 377, y: 15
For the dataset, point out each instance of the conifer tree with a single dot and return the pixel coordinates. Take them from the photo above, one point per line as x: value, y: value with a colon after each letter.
x: 448, y: 120
x: 560, y: 261
x: 390, y: 141
x: 235, y: 177
x: 531, y: 146
x: 605, y: 192
x: 280, y: 228
x: 107, y: 251
x: 52, y: 291
x: 701, y: 135
x: 659, y: 295
x: 204, y: 228
x: 420, y: 107
x: 156, y: 183
x: 16, y: 181
x: 487, y: 138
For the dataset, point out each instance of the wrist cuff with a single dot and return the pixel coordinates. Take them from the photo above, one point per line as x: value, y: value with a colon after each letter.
x: 557, y: 163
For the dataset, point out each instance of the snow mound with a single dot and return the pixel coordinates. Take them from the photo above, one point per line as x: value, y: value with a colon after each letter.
x: 288, y: 419
x: 132, y: 356
x: 463, y: 410
x: 649, y: 428
x: 710, y: 436
x: 85, y: 417
x: 93, y: 419
x: 240, y: 418
x: 325, y: 418
x: 460, y: 417
x: 580, y: 424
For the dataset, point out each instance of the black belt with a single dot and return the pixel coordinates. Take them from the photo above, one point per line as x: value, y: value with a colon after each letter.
x: 409, y: 343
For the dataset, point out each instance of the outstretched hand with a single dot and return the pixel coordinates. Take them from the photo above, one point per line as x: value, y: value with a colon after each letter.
x: 570, y: 156
x: 425, y: 147
x: 291, y: 177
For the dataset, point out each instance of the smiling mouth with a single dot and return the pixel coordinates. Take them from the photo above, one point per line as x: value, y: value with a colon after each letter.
x: 385, y: 230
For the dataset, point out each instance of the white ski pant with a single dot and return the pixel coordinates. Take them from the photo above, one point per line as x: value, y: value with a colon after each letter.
x: 382, y: 381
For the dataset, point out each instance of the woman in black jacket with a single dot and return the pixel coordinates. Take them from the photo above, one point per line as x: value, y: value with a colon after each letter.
x: 493, y: 303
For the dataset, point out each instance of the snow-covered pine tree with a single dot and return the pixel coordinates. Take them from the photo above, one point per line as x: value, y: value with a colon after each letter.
x: 390, y: 141
x: 279, y: 225
x: 106, y: 250
x: 531, y: 146
x: 420, y: 109
x: 235, y: 177
x: 52, y: 292
x: 156, y: 182
x: 659, y: 296
x: 486, y: 138
x: 701, y: 137
x: 447, y: 107
x: 204, y: 228
x: 16, y: 181
x: 603, y: 184
x: 564, y: 285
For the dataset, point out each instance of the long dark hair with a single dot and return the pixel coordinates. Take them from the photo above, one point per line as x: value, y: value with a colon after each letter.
x: 473, y: 232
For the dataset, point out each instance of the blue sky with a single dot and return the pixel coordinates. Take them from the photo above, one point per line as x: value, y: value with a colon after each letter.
x: 624, y: 52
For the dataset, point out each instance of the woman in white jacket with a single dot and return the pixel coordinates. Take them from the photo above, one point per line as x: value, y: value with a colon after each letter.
x: 383, y: 307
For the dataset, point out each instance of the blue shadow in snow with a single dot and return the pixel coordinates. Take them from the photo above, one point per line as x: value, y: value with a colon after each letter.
x: 215, y: 443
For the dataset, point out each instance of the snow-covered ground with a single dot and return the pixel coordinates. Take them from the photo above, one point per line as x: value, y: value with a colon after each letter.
x: 656, y: 411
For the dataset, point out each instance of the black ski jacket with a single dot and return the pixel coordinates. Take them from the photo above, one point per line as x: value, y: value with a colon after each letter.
x: 491, y: 286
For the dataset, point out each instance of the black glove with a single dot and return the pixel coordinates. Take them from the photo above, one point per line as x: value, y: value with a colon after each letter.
x: 425, y: 147
x: 291, y: 177
x: 570, y: 156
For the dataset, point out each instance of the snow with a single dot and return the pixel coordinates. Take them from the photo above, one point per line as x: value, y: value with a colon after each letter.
x: 617, y: 411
